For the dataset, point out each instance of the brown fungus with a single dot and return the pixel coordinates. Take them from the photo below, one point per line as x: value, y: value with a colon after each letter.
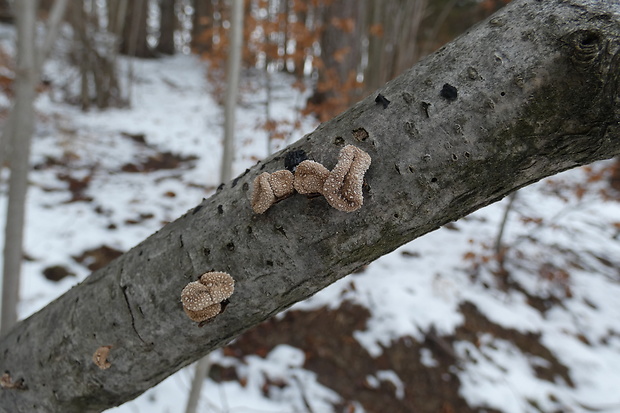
x: 270, y: 188
x: 343, y: 186
x: 281, y: 183
x: 262, y: 196
x: 202, y: 299
x: 310, y: 177
x: 100, y: 357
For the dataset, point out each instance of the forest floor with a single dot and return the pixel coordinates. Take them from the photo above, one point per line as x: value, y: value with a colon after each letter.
x: 447, y: 323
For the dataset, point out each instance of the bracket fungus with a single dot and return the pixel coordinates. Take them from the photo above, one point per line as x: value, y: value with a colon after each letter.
x: 202, y: 299
x: 310, y: 177
x: 343, y: 186
x: 271, y: 188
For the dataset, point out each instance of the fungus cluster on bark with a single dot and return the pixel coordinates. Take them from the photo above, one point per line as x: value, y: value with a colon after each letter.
x: 202, y: 299
x: 341, y: 187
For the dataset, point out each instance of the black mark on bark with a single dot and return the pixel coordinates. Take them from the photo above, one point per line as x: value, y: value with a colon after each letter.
x: 448, y: 92
x: 198, y: 208
x: 338, y: 141
x: 294, y: 158
x: 425, y: 106
x: 230, y: 246
x: 382, y: 100
x: 220, y: 209
x: 280, y: 229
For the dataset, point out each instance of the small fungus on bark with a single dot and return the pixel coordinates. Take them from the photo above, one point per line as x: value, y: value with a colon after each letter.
x: 343, y: 186
x: 270, y: 188
x: 100, y: 357
x: 6, y: 382
x: 202, y: 299
x: 310, y: 177
x: 281, y: 183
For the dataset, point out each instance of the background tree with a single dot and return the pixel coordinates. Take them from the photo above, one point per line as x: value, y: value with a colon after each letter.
x: 17, y: 135
x: 134, y: 38
x: 425, y: 172
x: 6, y: 12
x: 25, y: 92
x: 167, y: 26
x: 233, y: 71
x: 94, y: 53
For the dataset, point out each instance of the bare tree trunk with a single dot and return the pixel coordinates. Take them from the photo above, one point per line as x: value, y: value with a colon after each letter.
x: 202, y: 24
x: 200, y: 374
x: 95, y: 55
x: 134, y: 40
x: 530, y: 92
x: 25, y: 92
x: 233, y: 70
x: 167, y: 26
x: 6, y: 12
x: 393, y: 39
x: 56, y: 14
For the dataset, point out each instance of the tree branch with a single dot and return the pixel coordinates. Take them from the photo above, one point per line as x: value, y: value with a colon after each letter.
x: 537, y: 93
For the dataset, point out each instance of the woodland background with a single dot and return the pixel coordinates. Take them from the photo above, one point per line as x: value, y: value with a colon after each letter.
x: 511, y: 309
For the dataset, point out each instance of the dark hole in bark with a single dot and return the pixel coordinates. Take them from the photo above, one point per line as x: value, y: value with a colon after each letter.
x: 360, y: 134
x: 448, y: 92
x: 294, y: 158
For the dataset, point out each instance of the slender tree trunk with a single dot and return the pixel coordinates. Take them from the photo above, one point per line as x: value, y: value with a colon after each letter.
x: 55, y: 18
x: 25, y: 92
x: 200, y: 374
x: 167, y: 25
x: 233, y: 70
x: 6, y: 12
x: 202, y: 25
x: 535, y: 91
x: 134, y: 40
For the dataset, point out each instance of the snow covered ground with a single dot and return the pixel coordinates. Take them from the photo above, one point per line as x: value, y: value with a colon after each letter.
x: 549, y: 341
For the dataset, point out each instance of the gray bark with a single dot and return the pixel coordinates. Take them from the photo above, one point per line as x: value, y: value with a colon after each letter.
x: 538, y: 93
x: 25, y: 85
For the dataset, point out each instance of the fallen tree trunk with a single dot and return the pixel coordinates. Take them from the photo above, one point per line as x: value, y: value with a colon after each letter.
x: 528, y: 93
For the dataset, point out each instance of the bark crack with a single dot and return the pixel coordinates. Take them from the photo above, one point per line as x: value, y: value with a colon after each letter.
x: 133, y: 320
